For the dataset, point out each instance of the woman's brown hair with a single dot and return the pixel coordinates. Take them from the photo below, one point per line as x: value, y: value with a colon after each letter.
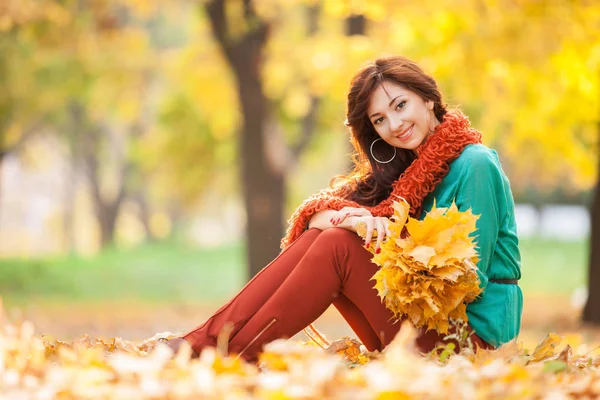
x: 371, y: 182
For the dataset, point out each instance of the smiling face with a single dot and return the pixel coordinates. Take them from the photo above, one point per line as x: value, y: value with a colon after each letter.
x: 400, y: 116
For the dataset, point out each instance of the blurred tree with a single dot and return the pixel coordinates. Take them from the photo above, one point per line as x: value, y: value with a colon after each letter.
x: 84, y: 69
x: 591, y: 312
x: 23, y: 28
x: 110, y: 65
x: 263, y: 186
x: 285, y: 96
x: 242, y: 35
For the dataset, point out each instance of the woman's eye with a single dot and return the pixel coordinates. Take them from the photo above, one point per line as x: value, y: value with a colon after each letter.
x: 401, y: 104
x: 378, y: 121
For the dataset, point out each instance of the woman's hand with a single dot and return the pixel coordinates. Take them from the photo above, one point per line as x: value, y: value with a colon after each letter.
x: 381, y: 224
x: 346, y: 212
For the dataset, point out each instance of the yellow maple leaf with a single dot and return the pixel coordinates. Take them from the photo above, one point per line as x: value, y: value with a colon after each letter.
x: 545, y: 349
x: 429, y: 274
x: 422, y: 254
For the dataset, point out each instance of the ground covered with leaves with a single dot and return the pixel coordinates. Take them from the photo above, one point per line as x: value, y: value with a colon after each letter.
x: 43, y: 367
x: 427, y: 274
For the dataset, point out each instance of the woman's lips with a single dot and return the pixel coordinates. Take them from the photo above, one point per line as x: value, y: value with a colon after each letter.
x: 406, y: 133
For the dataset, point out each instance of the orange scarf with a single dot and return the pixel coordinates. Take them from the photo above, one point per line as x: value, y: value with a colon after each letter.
x: 418, y: 180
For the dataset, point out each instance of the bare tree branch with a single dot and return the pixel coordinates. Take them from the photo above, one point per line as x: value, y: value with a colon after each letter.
x: 240, y: 53
x: 125, y: 172
x: 218, y: 22
x: 248, y: 10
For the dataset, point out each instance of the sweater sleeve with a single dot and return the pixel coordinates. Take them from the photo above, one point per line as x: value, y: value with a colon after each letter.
x: 481, y: 189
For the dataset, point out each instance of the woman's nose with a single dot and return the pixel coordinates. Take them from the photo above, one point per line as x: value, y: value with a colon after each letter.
x: 395, y: 123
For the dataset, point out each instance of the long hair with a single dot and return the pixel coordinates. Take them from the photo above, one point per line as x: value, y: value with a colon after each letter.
x: 371, y: 182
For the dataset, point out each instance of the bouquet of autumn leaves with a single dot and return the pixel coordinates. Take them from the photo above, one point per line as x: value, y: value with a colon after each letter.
x: 428, y: 273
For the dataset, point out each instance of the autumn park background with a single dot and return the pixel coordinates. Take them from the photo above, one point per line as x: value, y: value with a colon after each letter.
x: 151, y: 151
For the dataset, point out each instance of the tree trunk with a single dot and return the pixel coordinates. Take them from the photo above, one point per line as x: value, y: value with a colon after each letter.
x: 69, y: 206
x: 106, y: 211
x: 591, y: 312
x: 141, y: 199
x: 107, y: 218
x: 72, y: 134
x: 355, y: 25
x: 263, y: 186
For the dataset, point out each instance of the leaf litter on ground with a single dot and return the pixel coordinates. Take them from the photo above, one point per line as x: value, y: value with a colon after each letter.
x: 43, y: 367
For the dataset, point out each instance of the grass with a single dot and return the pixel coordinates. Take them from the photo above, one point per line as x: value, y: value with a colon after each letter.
x: 172, y: 272
x: 157, y: 272
x: 552, y: 266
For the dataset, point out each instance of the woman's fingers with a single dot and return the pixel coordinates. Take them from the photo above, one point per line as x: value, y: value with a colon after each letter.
x: 369, y: 235
x: 340, y: 217
x: 380, y: 233
x: 348, y: 212
x: 365, y: 212
x: 353, y: 213
x: 386, y: 223
x: 336, y: 219
x: 381, y: 224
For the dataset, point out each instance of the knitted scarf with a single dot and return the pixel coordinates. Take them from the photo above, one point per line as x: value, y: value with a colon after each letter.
x: 443, y: 146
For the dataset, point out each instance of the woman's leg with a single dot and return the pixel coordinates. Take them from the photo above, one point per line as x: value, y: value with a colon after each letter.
x: 426, y: 341
x: 357, y: 321
x: 335, y: 263
x: 318, y: 269
x: 336, y: 269
x: 253, y: 295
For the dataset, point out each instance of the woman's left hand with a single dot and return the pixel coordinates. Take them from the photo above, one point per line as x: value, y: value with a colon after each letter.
x: 371, y: 224
x: 347, y: 212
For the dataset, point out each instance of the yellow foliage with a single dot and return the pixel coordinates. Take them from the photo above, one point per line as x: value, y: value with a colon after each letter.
x: 44, y: 367
x: 428, y: 274
x: 297, y: 103
x: 142, y: 8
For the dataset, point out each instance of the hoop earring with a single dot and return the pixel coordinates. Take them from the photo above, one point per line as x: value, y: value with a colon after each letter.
x: 376, y: 159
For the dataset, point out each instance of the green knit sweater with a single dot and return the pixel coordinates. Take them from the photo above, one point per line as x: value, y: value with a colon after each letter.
x: 476, y: 181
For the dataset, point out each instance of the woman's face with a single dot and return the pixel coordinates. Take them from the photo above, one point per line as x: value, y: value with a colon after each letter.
x: 401, y: 117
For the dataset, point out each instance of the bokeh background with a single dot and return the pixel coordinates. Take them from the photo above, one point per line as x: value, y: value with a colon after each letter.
x: 151, y: 151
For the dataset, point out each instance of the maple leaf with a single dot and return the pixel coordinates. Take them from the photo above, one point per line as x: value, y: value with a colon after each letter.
x: 350, y: 350
x: 422, y: 254
x: 428, y: 274
x: 545, y: 349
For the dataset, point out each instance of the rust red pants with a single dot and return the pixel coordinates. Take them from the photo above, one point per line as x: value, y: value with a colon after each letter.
x: 319, y: 269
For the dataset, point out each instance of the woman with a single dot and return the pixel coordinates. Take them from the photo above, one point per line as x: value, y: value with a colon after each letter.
x: 409, y: 145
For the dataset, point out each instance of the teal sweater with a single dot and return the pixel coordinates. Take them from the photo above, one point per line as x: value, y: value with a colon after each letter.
x: 476, y: 181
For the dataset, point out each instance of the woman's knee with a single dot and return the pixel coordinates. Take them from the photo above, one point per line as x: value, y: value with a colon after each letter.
x: 336, y: 236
